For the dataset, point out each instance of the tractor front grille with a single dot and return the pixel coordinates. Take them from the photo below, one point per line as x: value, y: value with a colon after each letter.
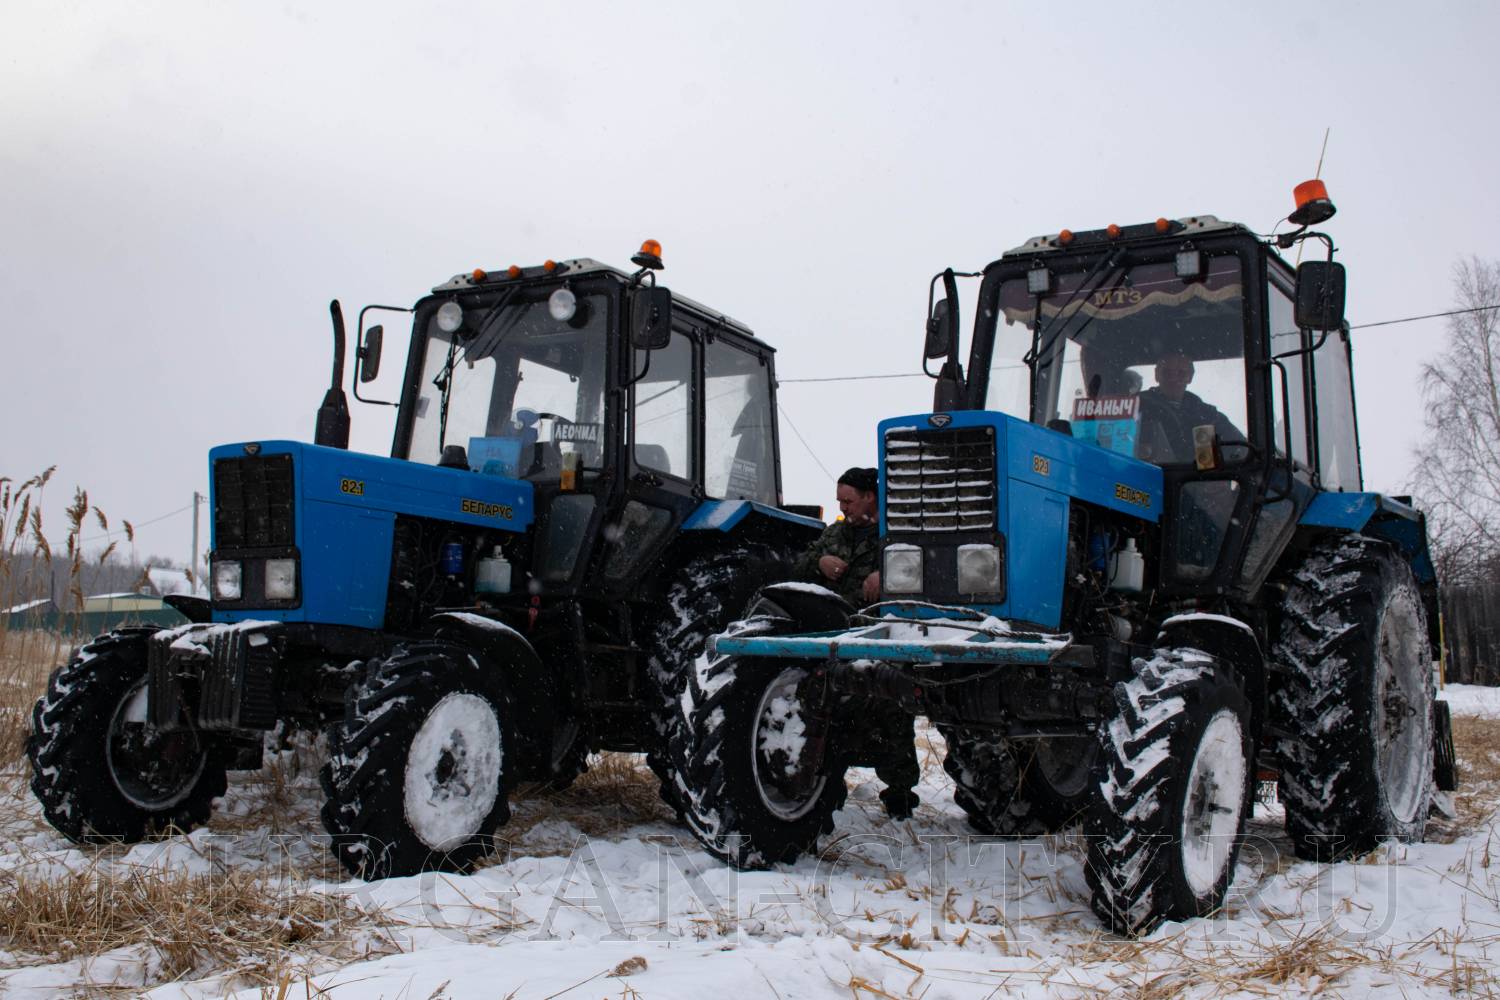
x: 940, y: 480
x: 253, y: 502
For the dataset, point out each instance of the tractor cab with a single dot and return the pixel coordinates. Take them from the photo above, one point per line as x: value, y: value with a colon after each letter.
x: 1175, y: 343
x: 620, y: 406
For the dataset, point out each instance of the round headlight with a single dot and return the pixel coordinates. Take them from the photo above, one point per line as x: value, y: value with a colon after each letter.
x: 450, y: 316
x: 562, y: 305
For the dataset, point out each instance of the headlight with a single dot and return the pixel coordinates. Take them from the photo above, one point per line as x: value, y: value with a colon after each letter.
x: 227, y: 580
x: 902, y: 570
x: 281, y: 579
x: 562, y: 305
x: 978, y: 569
x: 450, y: 316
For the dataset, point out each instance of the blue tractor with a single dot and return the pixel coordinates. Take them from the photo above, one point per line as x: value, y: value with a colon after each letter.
x: 1120, y: 599
x: 584, y: 485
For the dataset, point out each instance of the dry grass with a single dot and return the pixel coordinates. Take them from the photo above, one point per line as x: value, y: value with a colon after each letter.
x: 617, y: 792
x: 180, y: 924
x: 26, y: 661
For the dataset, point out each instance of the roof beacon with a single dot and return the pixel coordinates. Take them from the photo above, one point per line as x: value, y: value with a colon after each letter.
x: 1313, y: 205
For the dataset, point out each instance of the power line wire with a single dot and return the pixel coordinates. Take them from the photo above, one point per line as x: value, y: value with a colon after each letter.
x: 815, y: 458
x: 135, y: 525
x: 891, y: 375
x: 1412, y: 319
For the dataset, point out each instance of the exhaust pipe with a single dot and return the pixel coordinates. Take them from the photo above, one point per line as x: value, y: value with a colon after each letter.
x: 332, y: 430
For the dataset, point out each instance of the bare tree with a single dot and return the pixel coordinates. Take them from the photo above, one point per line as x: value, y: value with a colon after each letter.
x: 1457, y: 474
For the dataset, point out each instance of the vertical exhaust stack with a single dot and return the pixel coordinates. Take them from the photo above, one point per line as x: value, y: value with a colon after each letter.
x: 332, y: 430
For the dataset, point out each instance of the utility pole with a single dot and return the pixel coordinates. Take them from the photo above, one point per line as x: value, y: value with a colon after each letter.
x: 193, y: 562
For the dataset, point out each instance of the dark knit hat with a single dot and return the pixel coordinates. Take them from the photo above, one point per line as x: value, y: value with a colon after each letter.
x: 863, y: 480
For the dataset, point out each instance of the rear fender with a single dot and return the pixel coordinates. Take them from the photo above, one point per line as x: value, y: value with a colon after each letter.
x: 531, y: 690
x: 1390, y: 519
x: 755, y: 521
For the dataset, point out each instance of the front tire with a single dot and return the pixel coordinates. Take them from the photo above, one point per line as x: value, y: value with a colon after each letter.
x: 415, y: 779
x: 1355, y: 702
x: 705, y: 595
x: 1019, y: 788
x: 101, y: 772
x: 1164, y: 831
x: 759, y: 786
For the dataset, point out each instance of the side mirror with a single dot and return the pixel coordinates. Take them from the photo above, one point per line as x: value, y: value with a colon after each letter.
x: 651, y: 318
x: 1320, y: 295
x: 369, y: 354
x: 939, y: 331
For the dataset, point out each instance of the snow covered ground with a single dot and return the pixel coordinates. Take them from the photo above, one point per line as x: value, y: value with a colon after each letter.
x: 597, y: 895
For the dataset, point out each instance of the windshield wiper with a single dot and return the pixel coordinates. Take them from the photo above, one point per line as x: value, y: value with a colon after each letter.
x: 1104, y: 269
x: 484, y: 343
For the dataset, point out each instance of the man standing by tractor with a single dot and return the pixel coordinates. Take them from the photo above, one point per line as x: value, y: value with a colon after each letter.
x: 844, y: 559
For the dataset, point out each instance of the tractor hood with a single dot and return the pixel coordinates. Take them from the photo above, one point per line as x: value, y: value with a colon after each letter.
x: 334, y: 512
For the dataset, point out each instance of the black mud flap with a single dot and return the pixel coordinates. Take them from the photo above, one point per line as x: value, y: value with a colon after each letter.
x: 1444, y: 756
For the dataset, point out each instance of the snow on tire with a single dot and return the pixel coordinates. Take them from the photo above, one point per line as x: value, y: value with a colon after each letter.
x: 101, y: 773
x: 756, y: 787
x: 415, y: 779
x: 1164, y: 831
x: 1354, y: 704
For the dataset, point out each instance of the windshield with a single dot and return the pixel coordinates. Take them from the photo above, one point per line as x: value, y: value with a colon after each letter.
x: 518, y: 388
x: 1133, y: 358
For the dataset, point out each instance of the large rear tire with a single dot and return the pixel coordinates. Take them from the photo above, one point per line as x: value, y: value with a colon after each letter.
x: 1354, y: 702
x: 1164, y: 831
x: 415, y: 779
x: 102, y: 773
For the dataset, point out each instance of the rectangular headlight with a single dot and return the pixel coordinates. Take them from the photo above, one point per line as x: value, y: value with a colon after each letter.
x: 227, y: 577
x: 281, y: 579
x: 901, y: 571
x: 978, y: 569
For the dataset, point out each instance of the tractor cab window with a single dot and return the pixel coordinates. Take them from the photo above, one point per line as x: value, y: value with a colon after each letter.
x: 663, y: 407
x: 1286, y: 341
x: 738, y: 446
x: 1338, y: 447
x: 1139, y: 360
x: 520, y: 385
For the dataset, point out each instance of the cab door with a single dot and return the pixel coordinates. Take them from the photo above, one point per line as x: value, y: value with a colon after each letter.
x: 662, y: 454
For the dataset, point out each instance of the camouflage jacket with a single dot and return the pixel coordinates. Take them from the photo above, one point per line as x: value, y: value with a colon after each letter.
x: 859, y: 547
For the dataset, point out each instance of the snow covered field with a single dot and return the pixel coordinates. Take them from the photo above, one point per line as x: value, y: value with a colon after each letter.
x: 597, y: 895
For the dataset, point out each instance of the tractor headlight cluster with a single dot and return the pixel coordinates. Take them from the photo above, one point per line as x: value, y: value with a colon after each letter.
x: 248, y: 582
x: 228, y: 578
x: 978, y: 569
x: 281, y: 579
x: 901, y: 572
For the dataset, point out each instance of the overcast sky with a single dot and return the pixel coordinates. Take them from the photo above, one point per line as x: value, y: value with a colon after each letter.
x: 184, y: 186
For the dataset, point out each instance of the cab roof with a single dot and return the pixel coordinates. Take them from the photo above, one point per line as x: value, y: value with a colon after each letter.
x: 587, y: 266
x: 1194, y: 225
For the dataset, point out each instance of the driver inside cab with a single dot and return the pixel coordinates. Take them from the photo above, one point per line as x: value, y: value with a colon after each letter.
x: 1169, y: 412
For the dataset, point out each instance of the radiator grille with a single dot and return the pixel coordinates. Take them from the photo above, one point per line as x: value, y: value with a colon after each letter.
x: 253, y: 503
x: 940, y: 480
